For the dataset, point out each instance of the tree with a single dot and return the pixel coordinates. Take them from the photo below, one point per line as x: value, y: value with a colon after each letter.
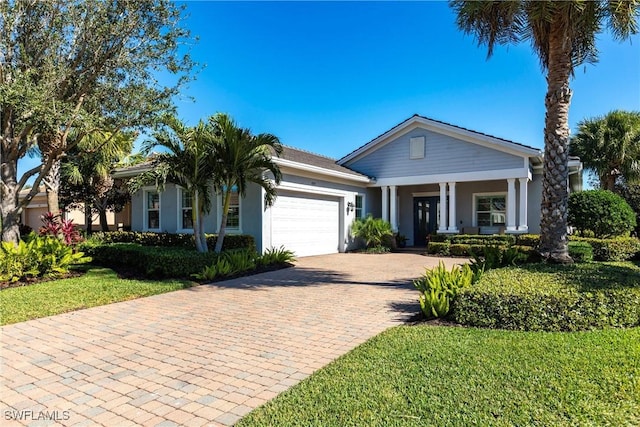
x: 609, y: 146
x: 563, y: 35
x: 86, y: 170
x: 241, y: 158
x: 78, y: 66
x: 189, y: 163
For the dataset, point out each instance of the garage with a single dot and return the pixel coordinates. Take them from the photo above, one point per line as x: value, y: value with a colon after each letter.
x: 307, y: 224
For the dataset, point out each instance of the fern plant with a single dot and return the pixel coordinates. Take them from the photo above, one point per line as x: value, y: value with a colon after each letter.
x: 274, y: 256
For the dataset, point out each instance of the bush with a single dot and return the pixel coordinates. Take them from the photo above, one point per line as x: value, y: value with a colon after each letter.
x: 374, y: 231
x: 439, y: 248
x: 481, y: 239
x: 532, y: 240
x: 438, y: 287
x: 580, y: 251
x: 231, y: 241
x: 149, y: 261
x: 553, y: 298
x: 618, y: 249
x: 275, y: 256
x: 38, y: 256
x: 603, y: 212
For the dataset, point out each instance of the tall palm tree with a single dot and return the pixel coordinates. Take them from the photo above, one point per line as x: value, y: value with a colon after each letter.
x: 563, y: 35
x: 187, y: 163
x: 610, y: 147
x: 242, y: 158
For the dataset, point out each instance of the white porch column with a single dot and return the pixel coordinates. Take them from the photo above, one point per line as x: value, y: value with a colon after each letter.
x: 523, y: 223
x: 385, y: 202
x: 511, y: 204
x: 452, y: 207
x: 442, y: 227
x: 394, y: 207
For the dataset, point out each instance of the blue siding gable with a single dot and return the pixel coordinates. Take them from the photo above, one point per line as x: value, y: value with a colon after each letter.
x: 443, y: 154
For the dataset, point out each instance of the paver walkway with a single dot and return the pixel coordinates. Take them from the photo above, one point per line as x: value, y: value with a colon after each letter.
x: 202, y: 356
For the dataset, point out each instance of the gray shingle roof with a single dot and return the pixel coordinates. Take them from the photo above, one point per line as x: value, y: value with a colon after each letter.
x: 308, y: 158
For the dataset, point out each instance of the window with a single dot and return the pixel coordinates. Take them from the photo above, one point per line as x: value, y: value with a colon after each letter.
x: 153, y: 210
x: 491, y: 211
x: 359, y: 206
x: 233, y: 216
x: 186, y: 210
x: 416, y: 149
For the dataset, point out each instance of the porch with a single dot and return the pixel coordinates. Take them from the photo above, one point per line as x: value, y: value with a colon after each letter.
x: 470, y: 207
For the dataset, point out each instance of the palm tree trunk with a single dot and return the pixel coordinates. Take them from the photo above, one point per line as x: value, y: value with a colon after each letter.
x: 196, y: 215
x: 555, y: 178
x: 223, y: 221
x: 52, y: 187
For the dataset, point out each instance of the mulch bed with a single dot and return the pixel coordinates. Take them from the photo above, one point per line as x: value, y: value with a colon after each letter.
x: 37, y: 280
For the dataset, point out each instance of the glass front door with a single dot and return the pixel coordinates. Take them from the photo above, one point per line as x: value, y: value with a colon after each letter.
x: 425, y: 218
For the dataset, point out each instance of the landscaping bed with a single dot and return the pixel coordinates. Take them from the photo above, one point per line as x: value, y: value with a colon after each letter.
x: 426, y: 375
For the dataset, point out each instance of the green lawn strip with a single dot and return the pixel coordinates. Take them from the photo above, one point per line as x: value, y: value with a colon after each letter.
x: 449, y: 376
x: 99, y: 286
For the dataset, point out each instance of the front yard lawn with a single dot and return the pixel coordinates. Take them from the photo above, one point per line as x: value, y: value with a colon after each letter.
x: 99, y: 286
x: 454, y: 376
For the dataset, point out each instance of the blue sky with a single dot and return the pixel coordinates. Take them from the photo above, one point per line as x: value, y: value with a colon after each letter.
x: 330, y: 76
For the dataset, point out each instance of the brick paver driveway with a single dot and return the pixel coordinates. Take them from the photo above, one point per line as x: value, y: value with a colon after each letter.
x: 205, y: 355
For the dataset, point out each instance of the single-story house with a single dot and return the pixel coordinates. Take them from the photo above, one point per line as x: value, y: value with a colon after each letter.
x: 423, y: 176
x: 32, y: 213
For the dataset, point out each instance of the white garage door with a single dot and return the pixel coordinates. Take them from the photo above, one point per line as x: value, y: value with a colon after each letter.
x: 307, y: 224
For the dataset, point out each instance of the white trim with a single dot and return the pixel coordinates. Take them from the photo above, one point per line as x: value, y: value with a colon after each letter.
x: 474, y: 196
x: 179, y: 228
x: 219, y: 203
x: 441, y: 128
x: 320, y: 170
x: 145, y: 211
x: 511, y: 205
x: 453, y: 227
x: 393, y: 211
x: 364, y: 205
x: 454, y: 177
x: 442, y: 227
x: 523, y: 224
x: 303, y: 188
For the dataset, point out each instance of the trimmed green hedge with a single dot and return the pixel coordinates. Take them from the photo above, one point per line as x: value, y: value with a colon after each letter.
x: 616, y: 249
x: 553, y: 298
x: 231, y: 241
x: 150, y: 261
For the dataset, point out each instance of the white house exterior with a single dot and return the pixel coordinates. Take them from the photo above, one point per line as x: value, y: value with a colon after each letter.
x: 423, y: 176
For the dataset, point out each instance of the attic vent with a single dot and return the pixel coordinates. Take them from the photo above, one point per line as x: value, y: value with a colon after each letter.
x: 416, y: 150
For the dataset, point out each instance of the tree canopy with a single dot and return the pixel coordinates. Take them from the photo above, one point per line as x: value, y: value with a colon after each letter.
x: 563, y: 36
x: 80, y: 65
x: 609, y: 146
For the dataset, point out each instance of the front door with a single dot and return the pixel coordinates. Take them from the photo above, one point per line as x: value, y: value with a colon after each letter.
x: 425, y: 218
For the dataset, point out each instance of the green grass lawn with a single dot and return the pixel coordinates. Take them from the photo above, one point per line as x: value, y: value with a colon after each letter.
x: 452, y: 376
x: 99, y: 286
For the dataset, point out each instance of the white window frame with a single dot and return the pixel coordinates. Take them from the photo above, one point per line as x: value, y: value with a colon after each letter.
x: 363, y: 213
x: 417, y: 148
x: 145, y: 201
x: 220, y: 203
x: 474, y: 219
x: 179, y: 228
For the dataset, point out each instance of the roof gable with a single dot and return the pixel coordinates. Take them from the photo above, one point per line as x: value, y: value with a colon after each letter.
x: 437, y: 126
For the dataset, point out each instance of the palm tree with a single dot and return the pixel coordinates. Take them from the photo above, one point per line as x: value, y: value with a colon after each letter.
x: 610, y: 147
x: 242, y: 158
x: 187, y: 163
x: 86, y: 170
x: 563, y: 35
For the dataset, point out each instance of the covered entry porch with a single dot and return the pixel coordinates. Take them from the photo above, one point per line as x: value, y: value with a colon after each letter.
x: 489, y: 206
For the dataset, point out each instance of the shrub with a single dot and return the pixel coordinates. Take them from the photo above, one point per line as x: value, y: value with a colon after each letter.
x: 617, y: 249
x: 240, y: 260
x: 231, y: 241
x: 603, y: 212
x: 532, y: 240
x: 553, y: 298
x: 38, y: 256
x: 374, y: 231
x: 439, y: 248
x: 580, y: 251
x: 438, y: 287
x: 274, y: 256
x: 481, y: 239
x: 156, y: 262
